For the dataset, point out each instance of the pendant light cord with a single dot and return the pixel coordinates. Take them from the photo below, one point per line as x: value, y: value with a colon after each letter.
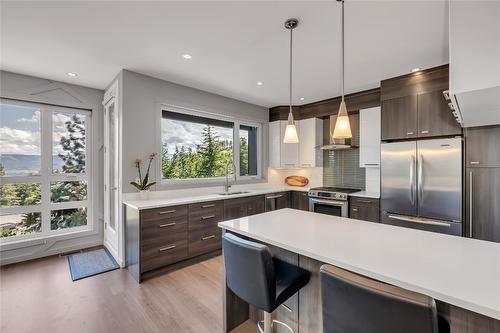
x: 342, y: 55
x: 291, y: 41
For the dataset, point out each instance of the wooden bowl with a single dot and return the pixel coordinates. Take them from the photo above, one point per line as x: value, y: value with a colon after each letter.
x: 298, y: 181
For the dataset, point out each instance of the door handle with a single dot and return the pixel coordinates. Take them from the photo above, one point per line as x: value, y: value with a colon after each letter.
x: 471, y: 190
x: 412, y: 180
x: 420, y: 221
x: 420, y: 176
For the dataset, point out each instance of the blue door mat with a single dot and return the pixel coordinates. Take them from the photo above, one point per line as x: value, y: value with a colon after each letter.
x: 86, y: 264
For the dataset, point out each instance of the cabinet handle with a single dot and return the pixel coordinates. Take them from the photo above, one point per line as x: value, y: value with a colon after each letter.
x: 167, y: 212
x: 274, y: 196
x: 354, y: 209
x: 166, y: 225
x: 371, y: 164
x: 208, y: 237
x: 208, y: 206
x: 425, y: 132
x: 470, y: 203
x: 475, y: 162
x: 208, y: 217
x: 166, y: 248
x: 364, y: 201
x: 409, y: 133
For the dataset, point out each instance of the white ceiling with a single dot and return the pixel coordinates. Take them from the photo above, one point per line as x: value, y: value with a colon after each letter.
x: 234, y: 43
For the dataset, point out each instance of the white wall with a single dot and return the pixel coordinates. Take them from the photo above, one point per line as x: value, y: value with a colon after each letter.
x: 142, y: 97
x: 34, y: 89
x: 315, y: 176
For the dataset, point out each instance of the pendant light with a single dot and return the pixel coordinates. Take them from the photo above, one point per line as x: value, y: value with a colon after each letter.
x: 342, y: 128
x: 291, y: 130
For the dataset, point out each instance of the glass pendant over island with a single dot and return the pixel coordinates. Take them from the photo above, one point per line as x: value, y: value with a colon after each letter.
x: 342, y: 128
x: 291, y: 135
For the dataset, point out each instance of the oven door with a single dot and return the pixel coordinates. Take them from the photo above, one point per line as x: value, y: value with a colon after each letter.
x: 329, y: 207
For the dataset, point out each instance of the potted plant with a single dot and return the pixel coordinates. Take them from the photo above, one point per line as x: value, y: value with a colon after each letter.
x: 143, y: 184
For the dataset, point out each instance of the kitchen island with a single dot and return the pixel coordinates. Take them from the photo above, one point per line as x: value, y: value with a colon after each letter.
x: 462, y: 274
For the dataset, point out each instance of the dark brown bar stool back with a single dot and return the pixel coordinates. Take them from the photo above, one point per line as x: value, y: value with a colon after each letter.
x: 258, y: 278
x: 355, y: 304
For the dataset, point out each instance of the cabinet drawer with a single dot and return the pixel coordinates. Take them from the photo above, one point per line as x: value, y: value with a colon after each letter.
x: 206, y: 214
x: 365, y: 213
x: 357, y: 201
x: 163, y: 231
x: 163, y: 213
x: 153, y: 257
x: 204, y: 241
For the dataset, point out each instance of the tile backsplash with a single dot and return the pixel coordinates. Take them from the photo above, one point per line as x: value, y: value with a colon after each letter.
x: 341, y: 167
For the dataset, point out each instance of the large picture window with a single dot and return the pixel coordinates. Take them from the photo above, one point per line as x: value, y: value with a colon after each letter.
x: 198, y: 147
x: 44, y: 169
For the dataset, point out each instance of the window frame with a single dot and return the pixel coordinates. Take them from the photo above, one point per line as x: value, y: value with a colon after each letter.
x: 236, y: 151
x: 47, y: 177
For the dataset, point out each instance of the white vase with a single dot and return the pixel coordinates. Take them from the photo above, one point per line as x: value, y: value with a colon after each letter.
x: 144, y: 195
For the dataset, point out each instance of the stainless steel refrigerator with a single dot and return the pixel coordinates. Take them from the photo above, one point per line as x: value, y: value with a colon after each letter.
x: 421, y: 184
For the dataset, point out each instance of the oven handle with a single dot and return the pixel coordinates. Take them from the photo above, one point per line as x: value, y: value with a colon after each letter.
x: 328, y: 202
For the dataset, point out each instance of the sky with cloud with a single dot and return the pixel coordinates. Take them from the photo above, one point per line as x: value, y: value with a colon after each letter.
x: 20, y: 130
x: 186, y: 134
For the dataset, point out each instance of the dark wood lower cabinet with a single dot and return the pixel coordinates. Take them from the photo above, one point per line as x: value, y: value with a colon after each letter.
x: 300, y: 200
x: 367, y: 209
x: 160, y: 239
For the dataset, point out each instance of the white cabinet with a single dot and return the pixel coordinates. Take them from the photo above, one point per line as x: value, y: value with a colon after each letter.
x: 369, y: 137
x: 306, y: 153
x: 474, y: 61
x: 310, y: 140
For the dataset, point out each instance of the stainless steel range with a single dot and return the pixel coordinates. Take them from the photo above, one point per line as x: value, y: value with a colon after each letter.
x: 330, y: 200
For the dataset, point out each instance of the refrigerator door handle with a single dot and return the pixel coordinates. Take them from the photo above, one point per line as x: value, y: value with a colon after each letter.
x: 420, y: 176
x: 412, y: 180
x: 419, y: 220
x: 470, y: 204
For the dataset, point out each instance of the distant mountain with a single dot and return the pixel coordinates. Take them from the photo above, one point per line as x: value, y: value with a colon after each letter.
x: 17, y: 164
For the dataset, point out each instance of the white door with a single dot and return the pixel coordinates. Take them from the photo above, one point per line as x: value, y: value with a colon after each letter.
x: 112, y: 226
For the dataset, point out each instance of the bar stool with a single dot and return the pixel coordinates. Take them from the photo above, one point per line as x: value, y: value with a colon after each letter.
x: 355, y: 304
x: 258, y: 278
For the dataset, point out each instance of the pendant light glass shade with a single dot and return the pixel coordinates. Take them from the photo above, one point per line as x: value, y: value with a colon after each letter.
x: 291, y: 135
x: 342, y: 128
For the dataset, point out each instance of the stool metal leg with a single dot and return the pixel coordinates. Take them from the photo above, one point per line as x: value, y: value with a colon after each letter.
x: 268, y: 324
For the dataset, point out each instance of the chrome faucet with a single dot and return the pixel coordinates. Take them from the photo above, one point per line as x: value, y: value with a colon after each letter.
x: 226, y: 185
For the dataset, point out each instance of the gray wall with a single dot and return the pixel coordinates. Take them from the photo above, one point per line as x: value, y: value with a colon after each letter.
x: 142, y: 97
x: 34, y: 89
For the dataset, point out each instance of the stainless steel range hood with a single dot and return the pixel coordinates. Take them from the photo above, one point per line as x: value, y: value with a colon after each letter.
x: 337, y: 144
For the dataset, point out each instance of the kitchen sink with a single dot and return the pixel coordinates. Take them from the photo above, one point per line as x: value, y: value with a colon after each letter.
x: 234, y: 193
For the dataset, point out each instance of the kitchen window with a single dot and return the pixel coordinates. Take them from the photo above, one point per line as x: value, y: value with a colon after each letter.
x: 197, y: 146
x: 44, y: 170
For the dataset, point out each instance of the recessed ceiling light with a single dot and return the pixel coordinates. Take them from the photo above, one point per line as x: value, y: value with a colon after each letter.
x: 72, y: 74
x: 259, y: 83
x: 416, y: 69
x: 187, y: 56
x: 302, y: 98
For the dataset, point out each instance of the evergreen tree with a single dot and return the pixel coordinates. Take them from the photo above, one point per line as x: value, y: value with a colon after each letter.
x: 243, y: 156
x: 208, y: 150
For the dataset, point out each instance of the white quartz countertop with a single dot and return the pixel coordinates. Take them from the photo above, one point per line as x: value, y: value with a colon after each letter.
x: 366, y: 194
x: 460, y: 271
x: 187, y: 196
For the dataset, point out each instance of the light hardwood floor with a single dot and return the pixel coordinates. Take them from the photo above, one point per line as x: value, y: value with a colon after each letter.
x: 39, y: 296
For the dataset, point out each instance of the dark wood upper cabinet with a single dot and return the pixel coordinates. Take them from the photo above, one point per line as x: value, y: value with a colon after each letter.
x: 434, y: 116
x: 482, y: 146
x: 399, y: 118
